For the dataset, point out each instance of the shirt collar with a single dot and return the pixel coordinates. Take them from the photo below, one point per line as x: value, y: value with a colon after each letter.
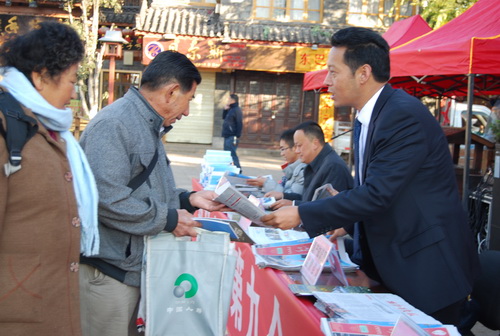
x: 151, y: 113
x: 365, y: 114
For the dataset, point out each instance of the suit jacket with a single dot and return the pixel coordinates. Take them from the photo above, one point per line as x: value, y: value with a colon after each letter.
x: 414, y: 231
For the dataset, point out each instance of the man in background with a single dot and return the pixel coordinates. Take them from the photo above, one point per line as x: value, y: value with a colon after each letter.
x: 232, y: 126
x: 292, y: 183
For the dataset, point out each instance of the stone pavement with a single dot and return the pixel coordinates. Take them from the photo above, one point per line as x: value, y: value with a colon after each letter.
x: 186, y: 164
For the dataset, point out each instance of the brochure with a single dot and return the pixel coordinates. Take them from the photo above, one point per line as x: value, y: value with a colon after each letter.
x: 324, y: 191
x: 375, y: 307
x: 335, y: 327
x: 269, y: 235
x: 288, y: 255
x: 307, y: 290
x: 235, y: 200
x: 236, y: 233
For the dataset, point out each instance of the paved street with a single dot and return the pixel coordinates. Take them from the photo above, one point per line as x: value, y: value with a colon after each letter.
x: 186, y: 163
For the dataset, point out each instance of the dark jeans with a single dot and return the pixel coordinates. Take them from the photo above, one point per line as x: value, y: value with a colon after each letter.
x: 230, y: 146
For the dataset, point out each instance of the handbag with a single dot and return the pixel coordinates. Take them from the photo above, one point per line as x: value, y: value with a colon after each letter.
x: 186, y: 285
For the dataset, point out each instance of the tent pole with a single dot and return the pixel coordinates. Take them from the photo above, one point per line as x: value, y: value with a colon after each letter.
x: 470, y: 97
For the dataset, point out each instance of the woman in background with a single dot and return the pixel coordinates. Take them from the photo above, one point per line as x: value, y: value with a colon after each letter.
x: 52, y: 197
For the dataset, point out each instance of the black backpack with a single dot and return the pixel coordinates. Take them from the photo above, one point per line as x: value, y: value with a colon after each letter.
x: 20, y: 128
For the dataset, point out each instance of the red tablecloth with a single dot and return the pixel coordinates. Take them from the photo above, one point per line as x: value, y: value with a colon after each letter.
x: 262, y: 304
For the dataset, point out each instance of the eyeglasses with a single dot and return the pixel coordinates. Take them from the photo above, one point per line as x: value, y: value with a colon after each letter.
x: 282, y: 149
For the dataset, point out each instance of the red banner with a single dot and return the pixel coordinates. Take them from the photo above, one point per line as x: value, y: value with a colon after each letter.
x: 203, y: 52
x: 262, y: 304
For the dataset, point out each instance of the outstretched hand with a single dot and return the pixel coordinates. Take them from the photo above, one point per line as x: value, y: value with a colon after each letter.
x: 281, y: 203
x: 276, y: 194
x: 340, y: 232
x: 284, y: 218
x: 257, y: 181
x: 204, y: 199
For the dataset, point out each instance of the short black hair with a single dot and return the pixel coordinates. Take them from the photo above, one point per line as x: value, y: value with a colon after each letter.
x: 169, y: 67
x: 312, y: 130
x: 234, y: 97
x: 52, y: 45
x: 364, y: 46
x: 287, y: 136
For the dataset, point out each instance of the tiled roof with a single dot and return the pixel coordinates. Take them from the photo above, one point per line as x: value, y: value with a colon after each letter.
x: 126, y: 17
x: 203, y: 22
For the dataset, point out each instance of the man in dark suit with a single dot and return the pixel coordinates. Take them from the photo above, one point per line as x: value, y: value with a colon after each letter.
x: 410, y: 225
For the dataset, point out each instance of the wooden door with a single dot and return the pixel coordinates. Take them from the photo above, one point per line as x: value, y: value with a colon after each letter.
x: 270, y: 103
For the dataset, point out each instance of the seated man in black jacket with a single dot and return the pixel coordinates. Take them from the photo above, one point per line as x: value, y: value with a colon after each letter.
x: 324, y: 165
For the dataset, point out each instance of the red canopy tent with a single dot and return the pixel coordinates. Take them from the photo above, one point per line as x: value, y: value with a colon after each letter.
x: 461, y: 58
x: 439, y: 62
x: 400, y: 32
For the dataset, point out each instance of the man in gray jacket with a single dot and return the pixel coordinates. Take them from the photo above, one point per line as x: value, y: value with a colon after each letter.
x: 120, y: 143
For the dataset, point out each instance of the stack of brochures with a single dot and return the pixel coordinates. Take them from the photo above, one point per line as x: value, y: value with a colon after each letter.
x: 290, y: 255
x: 375, y: 314
x: 214, y: 165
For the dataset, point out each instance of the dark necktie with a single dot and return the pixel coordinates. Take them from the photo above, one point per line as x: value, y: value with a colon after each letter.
x: 357, y: 132
x: 357, y: 253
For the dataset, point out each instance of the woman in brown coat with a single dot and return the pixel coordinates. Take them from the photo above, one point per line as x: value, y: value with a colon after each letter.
x: 50, y: 203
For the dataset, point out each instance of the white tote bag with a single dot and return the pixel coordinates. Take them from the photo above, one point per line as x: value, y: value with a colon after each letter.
x: 187, y: 284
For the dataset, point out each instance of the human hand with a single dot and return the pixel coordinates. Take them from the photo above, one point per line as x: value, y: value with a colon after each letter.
x: 284, y: 218
x: 256, y: 182
x: 281, y: 203
x: 185, y: 224
x: 204, y: 199
x: 340, y: 232
x: 276, y: 194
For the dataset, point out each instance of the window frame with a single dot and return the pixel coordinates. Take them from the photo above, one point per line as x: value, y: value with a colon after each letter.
x: 288, y: 9
x: 382, y: 14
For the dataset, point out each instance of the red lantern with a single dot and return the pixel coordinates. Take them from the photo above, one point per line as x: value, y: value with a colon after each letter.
x: 102, y: 31
x: 128, y: 34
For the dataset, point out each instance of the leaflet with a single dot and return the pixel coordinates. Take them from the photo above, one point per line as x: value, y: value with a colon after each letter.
x: 289, y: 255
x: 379, y: 307
x: 235, y: 200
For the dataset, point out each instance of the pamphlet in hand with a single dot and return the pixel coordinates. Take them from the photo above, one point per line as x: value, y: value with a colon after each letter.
x: 236, y: 233
x: 324, y: 191
x: 231, y: 197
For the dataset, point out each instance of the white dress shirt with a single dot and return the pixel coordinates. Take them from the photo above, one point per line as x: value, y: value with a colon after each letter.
x: 364, y: 116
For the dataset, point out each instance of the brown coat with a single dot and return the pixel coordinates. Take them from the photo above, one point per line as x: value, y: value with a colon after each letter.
x: 39, y: 241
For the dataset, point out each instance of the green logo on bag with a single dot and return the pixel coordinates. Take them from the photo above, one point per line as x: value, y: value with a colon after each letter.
x: 180, y: 289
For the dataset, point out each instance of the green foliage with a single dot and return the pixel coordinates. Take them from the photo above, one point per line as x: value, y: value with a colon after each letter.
x: 495, y: 129
x: 439, y: 12
x: 87, y: 25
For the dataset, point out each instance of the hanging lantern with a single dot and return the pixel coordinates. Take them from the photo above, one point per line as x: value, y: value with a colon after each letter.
x: 128, y: 34
x: 102, y: 31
